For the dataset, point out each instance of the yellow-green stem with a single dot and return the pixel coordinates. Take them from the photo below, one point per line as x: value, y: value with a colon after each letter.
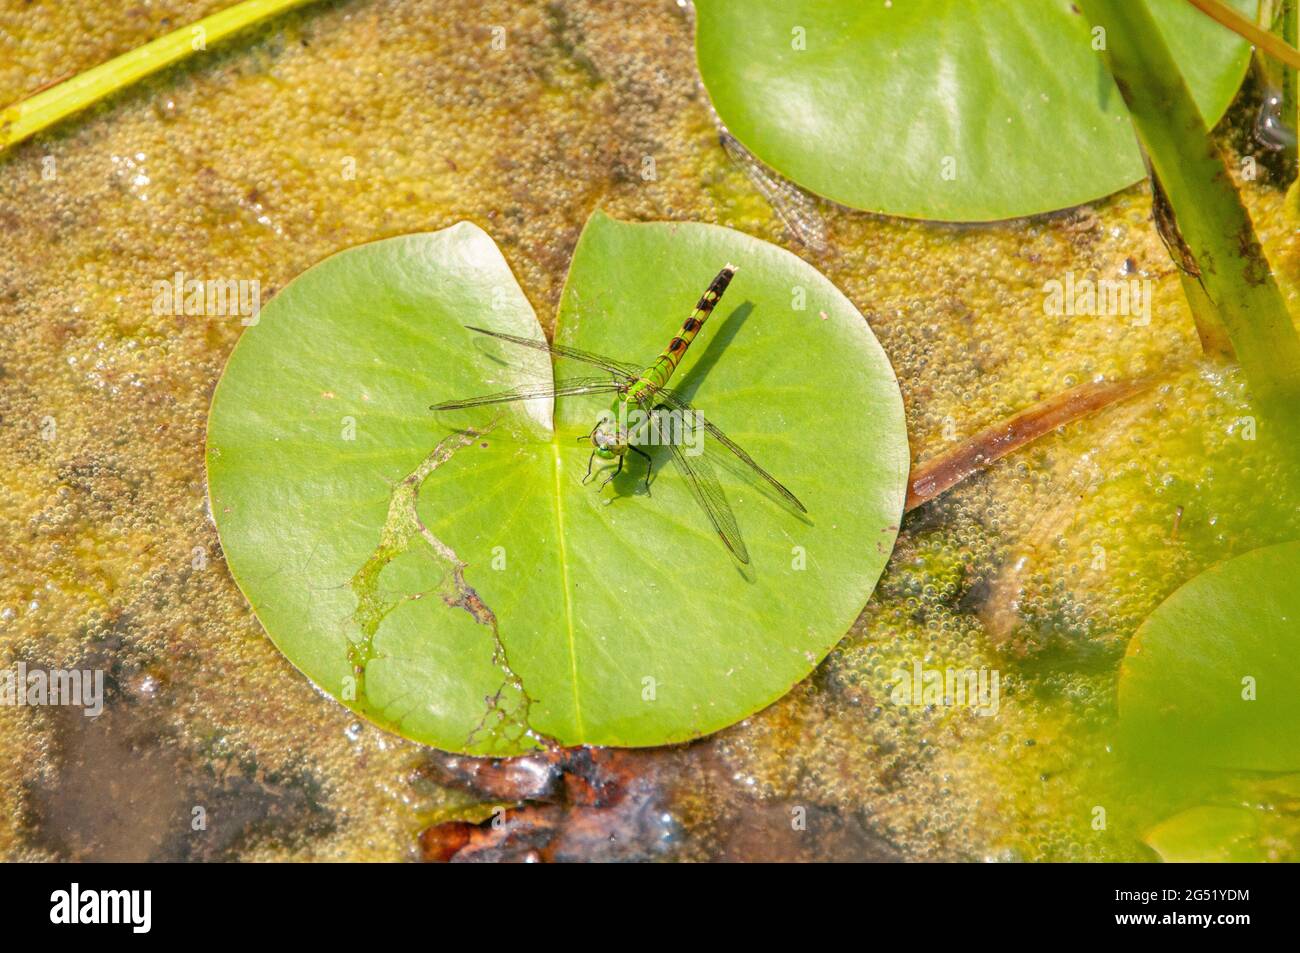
x: 1290, y: 29
x: 44, y: 109
x: 1267, y: 42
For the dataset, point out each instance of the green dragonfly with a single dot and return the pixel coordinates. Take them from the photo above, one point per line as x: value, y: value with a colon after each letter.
x: 646, y: 412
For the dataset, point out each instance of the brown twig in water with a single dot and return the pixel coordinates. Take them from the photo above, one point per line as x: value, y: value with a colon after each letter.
x: 933, y: 477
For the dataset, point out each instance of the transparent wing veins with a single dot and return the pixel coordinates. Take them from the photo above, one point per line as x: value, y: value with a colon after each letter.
x: 677, y: 402
x: 704, y: 486
x: 562, y: 388
x: 706, y: 489
x: 628, y: 371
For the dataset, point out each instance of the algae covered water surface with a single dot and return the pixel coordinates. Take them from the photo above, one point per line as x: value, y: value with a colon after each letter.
x: 352, y: 121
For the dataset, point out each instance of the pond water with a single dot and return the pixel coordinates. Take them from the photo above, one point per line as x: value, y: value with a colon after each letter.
x: 352, y: 121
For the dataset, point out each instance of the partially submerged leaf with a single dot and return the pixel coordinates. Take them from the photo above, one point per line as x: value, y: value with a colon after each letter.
x: 465, y: 588
x: 939, y: 109
x: 1210, y: 678
x: 1207, y: 834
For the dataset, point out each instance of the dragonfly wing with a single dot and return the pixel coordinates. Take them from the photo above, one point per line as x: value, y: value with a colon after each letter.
x: 677, y: 402
x: 564, y: 388
x: 706, y: 489
x: 563, y: 350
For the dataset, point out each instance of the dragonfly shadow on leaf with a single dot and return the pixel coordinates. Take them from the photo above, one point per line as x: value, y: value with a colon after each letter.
x: 728, y: 328
x: 694, y: 377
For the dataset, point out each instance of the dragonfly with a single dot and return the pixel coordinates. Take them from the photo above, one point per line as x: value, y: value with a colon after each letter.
x: 665, y: 416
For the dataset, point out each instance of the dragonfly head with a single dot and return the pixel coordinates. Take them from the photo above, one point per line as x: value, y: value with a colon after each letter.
x: 607, y: 440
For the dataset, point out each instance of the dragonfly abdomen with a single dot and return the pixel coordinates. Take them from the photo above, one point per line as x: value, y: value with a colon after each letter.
x: 658, y: 373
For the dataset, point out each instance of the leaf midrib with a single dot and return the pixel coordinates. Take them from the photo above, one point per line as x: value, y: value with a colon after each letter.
x: 568, y: 599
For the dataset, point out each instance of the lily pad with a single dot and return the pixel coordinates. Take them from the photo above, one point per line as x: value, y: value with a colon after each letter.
x: 943, y: 109
x: 449, y: 575
x: 1210, y: 677
x: 1208, y: 834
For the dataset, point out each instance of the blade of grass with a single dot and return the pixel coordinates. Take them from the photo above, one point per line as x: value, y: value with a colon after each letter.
x: 1211, y: 217
x: 45, y: 108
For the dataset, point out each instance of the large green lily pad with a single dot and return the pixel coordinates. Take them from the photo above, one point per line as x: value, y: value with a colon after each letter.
x: 1211, y: 677
x: 943, y: 109
x: 465, y: 588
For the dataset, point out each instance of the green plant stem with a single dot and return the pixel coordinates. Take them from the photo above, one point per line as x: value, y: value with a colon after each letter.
x: 1270, y: 43
x: 1210, y: 215
x: 45, y: 108
x: 1210, y: 330
x: 1290, y: 8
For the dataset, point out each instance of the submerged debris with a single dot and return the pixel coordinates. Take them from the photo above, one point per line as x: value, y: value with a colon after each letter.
x: 590, y: 804
x: 992, y: 443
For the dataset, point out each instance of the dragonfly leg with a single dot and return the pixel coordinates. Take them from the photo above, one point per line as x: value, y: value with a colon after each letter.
x: 649, y: 465
x: 617, y: 470
x: 590, y: 460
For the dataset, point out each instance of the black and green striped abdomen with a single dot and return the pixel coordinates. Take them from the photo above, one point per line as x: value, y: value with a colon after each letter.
x: 658, y: 373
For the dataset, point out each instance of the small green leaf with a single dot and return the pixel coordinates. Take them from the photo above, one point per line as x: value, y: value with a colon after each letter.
x: 1208, y: 834
x: 1210, y: 677
x: 943, y: 109
x: 466, y: 589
